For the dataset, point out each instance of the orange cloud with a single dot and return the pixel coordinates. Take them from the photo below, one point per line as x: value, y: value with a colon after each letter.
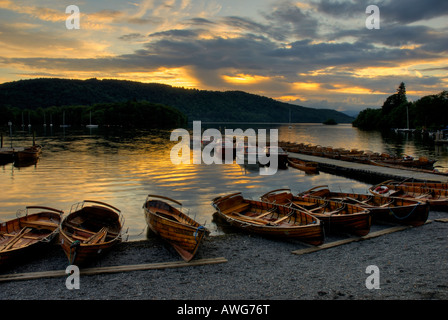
x: 354, y: 90
x: 308, y: 86
x: 244, y: 79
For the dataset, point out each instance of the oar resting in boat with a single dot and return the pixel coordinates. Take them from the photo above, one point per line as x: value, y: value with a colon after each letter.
x: 315, y: 210
x: 365, y: 203
x: 258, y: 220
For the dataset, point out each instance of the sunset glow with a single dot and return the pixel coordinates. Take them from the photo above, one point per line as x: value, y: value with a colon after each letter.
x: 312, y: 53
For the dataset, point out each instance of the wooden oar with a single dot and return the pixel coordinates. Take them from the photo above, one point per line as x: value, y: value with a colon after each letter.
x: 249, y: 219
x: 357, y: 201
x: 98, y: 237
x: 14, y: 240
x: 304, y: 209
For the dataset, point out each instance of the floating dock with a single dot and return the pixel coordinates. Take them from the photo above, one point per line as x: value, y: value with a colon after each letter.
x: 367, y: 172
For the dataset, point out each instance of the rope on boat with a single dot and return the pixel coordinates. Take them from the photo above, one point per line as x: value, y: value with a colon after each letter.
x: 75, y: 245
x: 405, y: 217
x: 197, y: 231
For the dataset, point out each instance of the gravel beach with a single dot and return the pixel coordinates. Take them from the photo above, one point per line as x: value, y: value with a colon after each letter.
x: 412, y: 265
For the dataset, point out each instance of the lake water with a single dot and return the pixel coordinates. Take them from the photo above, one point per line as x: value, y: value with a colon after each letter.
x: 121, y: 167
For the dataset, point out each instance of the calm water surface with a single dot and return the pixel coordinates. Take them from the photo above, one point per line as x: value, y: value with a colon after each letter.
x: 122, y: 167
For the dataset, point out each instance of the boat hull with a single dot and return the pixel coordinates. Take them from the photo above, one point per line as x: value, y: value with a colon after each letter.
x: 28, y: 154
x: 437, y: 198
x: 24, y: 236
x: 337, y: 217
x: 386, y: 209
x: 184, y: 234
x: 89, y: 231
x: 294, y: 224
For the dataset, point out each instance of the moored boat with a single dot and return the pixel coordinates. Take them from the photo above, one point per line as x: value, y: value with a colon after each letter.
x: 171, y: 224
x: 437, y: 198
x: 24, y: 235
x: 269, y: 219
x: 336, y: 216
x: 390, y: 209
x: 91, y: 227
x: 424, y: 184
x: 28, y: 154
x: 310, y: 167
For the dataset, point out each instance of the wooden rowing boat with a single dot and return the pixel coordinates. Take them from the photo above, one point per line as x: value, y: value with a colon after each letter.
x: 269, y: 219
x: 425, y: 184
x: 22, y: 236
x: 28, y: 154
x: 336, y: 216
x: 390, y: 209
x: 171, y: 224
x: 310, y: 167
x: 91, y: 228
x: 406, y: 161
x: 437, y: 198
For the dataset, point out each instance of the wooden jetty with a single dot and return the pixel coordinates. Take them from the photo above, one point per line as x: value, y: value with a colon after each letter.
x: 367, y: 172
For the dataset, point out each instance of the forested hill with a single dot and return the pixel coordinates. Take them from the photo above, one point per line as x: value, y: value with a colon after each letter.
x: 195, y: 104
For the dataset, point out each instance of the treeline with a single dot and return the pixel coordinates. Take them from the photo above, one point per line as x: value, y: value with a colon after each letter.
x: 141, y: 114
x: 429, y: 112
x: 196, y: 104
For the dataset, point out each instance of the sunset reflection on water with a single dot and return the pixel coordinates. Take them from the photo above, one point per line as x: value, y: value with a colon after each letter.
x: 122, y: 168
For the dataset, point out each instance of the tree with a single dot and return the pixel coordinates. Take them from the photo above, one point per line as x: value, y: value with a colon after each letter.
x: 401, y: 89
x: 395, y: 100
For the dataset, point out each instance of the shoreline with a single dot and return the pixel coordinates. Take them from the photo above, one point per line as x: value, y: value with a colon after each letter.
x: 411, y: 263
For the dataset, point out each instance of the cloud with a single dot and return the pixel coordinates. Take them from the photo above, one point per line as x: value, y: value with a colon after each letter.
x: 392, y: 11
x: 320, y: 52
x: 290, y: 20
x: 409, y: 11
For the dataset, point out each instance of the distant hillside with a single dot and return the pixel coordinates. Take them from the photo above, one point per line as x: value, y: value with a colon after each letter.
x: 195, y: 104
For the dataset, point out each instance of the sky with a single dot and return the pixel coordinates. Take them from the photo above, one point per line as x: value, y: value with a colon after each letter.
x: 315, y: 53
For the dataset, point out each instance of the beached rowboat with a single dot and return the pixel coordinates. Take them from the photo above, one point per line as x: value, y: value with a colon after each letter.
x: 390, y: 209
x: 437, y: 198
x: 425, y: 184
x: 268, y: 219
x: 91, y: 228
x: 336, y: 216
x: 174, y: 226
x: 25, y: 234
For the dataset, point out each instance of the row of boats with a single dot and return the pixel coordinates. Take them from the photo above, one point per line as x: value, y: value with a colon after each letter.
x: 92, y: 227
x: 361, y: 156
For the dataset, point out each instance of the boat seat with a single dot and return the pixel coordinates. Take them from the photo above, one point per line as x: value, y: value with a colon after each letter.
x: 168, y: 216
x: 39, y: 224
x: 238, y: 208
x: 88, y: 233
